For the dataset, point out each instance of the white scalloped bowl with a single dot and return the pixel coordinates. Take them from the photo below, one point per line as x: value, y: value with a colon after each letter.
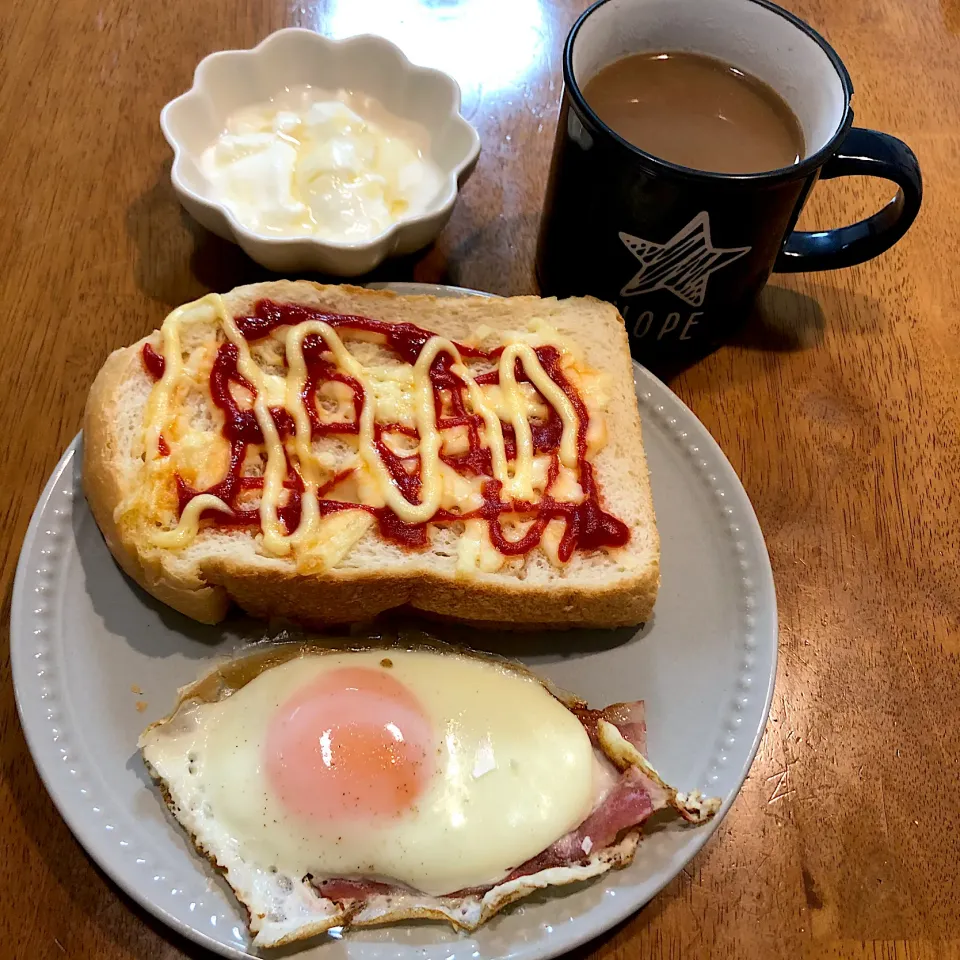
x: 231, y: 79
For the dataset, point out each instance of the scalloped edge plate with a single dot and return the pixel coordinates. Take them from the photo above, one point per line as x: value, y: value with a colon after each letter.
x: 87, y: 645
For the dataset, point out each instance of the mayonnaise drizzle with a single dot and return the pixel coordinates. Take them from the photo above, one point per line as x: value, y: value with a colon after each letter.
x: 274, y: 390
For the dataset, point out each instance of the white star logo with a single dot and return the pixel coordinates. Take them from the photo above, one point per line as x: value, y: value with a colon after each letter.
x: 682, y: 265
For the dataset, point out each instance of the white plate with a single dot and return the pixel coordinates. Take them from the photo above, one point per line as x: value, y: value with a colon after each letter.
x: 84, y: 639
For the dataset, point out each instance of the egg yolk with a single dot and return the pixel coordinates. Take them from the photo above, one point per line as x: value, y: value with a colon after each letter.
x: 353, y: 744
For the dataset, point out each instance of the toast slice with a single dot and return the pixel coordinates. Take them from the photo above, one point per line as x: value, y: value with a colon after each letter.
x: 354, y: 568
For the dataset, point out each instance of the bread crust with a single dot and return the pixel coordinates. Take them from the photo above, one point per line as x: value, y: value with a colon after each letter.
x: 103, y: 487
x: 348, y: 595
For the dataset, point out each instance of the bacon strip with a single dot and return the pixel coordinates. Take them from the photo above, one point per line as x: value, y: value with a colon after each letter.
x: 627, y: 805
x: 344, y: 889
x: 628, y: 718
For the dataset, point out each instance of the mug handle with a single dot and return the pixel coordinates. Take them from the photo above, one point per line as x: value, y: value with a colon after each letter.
x: 866, y: 153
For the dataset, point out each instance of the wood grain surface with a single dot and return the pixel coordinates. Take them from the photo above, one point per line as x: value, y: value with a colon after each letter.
x: 837, y: 407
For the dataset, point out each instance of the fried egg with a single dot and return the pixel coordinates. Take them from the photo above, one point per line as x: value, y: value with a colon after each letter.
x: 402, y: 771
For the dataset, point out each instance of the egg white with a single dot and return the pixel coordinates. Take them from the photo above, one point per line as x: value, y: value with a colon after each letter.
x: 515, y: 772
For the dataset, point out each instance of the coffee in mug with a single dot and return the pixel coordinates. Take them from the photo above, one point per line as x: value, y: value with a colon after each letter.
x: 697, y: 112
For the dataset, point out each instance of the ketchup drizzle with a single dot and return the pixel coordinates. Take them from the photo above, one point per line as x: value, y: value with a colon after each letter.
x: 153, y: 362
x: 587, y: 525
x: 241, y: 428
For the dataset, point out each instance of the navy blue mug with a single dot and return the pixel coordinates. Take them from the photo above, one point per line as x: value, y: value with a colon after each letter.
x: 683, y: 253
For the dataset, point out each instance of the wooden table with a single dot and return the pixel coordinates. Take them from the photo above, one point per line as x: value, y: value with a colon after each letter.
x: 838, y: 408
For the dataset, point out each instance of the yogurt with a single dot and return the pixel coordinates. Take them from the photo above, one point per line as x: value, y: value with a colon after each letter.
x: 313, y: 164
